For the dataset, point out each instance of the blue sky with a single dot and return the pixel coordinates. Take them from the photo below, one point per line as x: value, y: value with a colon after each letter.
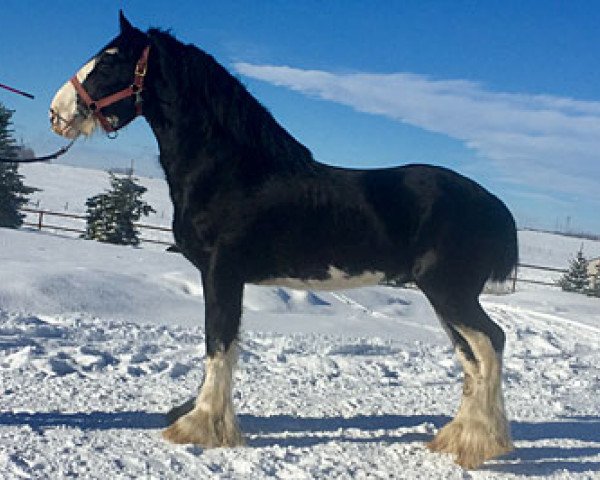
x: 506, y: 92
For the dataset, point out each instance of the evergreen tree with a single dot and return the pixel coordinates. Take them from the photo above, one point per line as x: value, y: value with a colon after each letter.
x: 13, y: 193
x: 111, y: 215
x: 576, y: 279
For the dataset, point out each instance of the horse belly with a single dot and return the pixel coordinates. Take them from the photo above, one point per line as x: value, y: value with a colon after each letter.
x: 336, y: 280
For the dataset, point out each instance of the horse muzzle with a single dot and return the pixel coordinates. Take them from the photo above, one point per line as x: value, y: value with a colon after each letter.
x: 81, y: 123
x: 61, y: 126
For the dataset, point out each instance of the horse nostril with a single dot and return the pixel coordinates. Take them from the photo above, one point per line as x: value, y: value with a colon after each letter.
x: 53, y: 115
x: 56, y: 120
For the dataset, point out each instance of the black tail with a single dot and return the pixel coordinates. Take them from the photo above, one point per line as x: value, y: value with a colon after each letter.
x: 508, y: 249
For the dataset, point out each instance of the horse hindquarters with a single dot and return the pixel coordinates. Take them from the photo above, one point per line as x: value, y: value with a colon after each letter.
x: 210, y: 421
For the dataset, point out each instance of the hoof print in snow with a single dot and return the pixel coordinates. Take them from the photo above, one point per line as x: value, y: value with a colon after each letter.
x: 61, y: 366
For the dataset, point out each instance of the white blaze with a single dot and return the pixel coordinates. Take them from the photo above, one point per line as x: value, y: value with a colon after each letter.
x: 64, y: 106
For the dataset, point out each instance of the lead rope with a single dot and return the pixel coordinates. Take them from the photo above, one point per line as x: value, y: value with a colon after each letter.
x: 52, y: 156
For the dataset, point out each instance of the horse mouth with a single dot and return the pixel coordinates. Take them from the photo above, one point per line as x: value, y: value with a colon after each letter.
x: 78, y: 125
x: 67, y: 132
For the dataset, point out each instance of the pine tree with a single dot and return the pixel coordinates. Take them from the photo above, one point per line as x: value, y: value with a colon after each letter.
x: 13, y: 193
x: 577, y: 278
x: 111, y: 215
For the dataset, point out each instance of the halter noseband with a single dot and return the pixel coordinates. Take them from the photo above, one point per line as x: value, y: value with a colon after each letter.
x: 135, y: 89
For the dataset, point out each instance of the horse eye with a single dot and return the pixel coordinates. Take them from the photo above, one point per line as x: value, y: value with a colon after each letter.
x: 109, y: 55
x: 107, y: 59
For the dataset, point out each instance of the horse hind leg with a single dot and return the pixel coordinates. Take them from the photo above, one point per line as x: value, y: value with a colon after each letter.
x: 480, y: 430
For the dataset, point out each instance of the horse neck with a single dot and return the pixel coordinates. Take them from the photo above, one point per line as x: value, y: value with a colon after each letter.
x: 206, y: 116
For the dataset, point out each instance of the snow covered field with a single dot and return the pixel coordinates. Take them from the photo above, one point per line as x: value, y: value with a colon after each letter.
x: 97, y: 342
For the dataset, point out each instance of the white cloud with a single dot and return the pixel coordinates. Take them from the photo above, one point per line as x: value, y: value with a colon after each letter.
x: 544, y: 141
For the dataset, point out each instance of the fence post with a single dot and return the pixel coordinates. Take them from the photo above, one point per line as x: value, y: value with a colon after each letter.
x: 41, y: 220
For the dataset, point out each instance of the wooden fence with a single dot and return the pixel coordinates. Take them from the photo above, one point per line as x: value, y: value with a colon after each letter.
x: 536, y: 267
x: 42, y: 216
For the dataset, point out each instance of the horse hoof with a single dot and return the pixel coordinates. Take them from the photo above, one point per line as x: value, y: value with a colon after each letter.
x: 471, y: 443
x: 206, y: 430
x: 179, y: 411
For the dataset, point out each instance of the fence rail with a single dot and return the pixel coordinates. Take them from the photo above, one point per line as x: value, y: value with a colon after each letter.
x: 40, y: 224
x: 539, y: 267
x: 516, y: 278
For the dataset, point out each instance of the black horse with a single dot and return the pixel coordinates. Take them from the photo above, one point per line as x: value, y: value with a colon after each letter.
x: 251, y: 205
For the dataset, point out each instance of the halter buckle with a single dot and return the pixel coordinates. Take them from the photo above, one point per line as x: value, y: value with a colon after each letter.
x: 140, y: 70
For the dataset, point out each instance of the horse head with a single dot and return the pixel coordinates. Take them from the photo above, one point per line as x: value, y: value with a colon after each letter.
x: 107, y: 91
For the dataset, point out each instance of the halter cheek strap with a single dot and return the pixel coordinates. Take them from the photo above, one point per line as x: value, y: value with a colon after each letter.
x: 135, y: 89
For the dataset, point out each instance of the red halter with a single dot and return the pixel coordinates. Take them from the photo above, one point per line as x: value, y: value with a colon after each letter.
x: 135, y: 88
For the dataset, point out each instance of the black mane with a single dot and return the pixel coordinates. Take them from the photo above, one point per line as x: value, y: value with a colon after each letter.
x: 203, y: 85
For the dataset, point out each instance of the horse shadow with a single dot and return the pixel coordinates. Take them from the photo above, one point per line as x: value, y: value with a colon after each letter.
x: 40, y: 421
x: 291, y: 431
x: 544, y: 461
x: 267, y: 431
x: 530, y: 460
x: 262, y: 429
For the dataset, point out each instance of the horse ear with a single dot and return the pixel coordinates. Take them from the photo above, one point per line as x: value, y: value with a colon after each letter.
x: 124, y: 23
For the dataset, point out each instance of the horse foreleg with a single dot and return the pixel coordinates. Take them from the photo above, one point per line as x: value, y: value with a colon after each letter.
x: 211, y: 420
x: 180, y: 410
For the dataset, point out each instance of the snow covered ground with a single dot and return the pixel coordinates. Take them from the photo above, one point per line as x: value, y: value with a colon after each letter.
x: 97, y: 342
